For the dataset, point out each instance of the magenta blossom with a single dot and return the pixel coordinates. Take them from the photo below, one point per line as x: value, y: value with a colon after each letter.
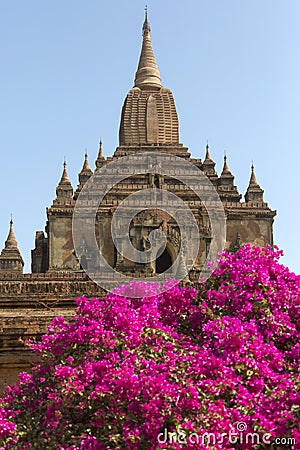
x: 181, y: 369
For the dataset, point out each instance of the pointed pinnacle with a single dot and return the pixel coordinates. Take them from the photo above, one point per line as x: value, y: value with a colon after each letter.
x: 86, y: 166
x: 100, y: 154
x: 253, y: 180
x: 225, y: 166
x: 147, y: 74
x: 207, y: 154
x: 146, y: 25
x: 11, y: 241
x: 65, y: 177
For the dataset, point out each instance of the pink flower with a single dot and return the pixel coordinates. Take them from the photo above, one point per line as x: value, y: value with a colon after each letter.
x: 193, y: 360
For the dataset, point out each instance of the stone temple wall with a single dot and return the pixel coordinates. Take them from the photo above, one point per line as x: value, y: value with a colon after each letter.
x: 28, y: 303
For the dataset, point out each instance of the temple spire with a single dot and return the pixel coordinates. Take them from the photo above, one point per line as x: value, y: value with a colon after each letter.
x: 207, y: 153
x: 86, y: 166
x: 64, y: 188
x: 100, y: 158
x: 147, y: 74
x: 226, y: 170
x: 253, y: 180
x: 11, y: 260
x: 226, y: 189
x: 149, y: 114
x: 209, y: 166
x: 11, y: 241
x: 100, y: 154
x: 83, y: 176
x: 86, y: 171
x: 146, y: 25
x: 254, y: 192
x: 65, y: 177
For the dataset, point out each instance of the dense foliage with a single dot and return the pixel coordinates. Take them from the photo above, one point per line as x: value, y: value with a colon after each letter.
x: 219, y: 359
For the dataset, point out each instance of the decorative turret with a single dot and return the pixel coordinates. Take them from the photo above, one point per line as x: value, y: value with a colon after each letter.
x: 11, y: 241
x: 149, y: 114
x: 226, y: 189
x: 100, y: 158
x: 208, y: 166
x: 64, y: 188
x: 254, y: 191
x: 226, y: 175
x: 83, y: 175
x: 10, y: 258
x: 85, y: 172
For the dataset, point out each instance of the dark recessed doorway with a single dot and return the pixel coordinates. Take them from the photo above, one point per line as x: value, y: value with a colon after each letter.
x: 163, y: 262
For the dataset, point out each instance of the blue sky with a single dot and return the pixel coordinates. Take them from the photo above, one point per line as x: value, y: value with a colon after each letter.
x: 66, y: 66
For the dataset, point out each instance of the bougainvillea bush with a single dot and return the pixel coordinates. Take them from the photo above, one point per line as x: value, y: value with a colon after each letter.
x: 196, y: 368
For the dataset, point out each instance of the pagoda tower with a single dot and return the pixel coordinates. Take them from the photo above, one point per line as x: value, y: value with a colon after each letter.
x: 149, y: 123
x: 11, y: 260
